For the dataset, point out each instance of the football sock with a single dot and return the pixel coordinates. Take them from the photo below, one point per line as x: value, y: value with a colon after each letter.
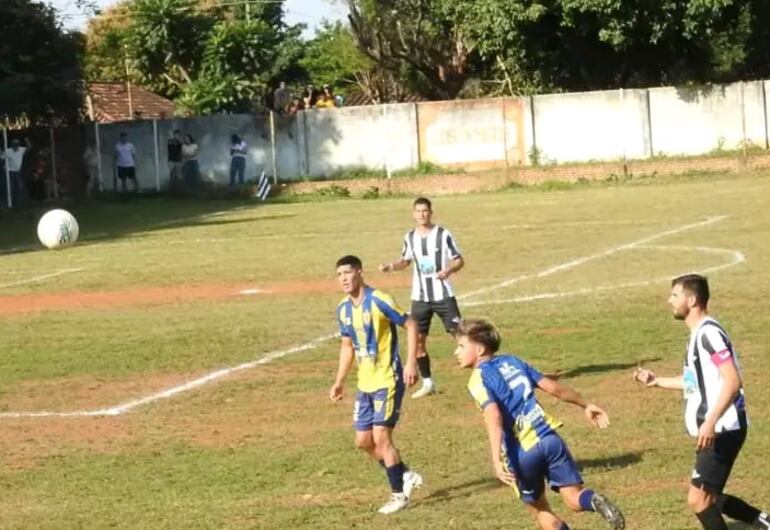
x: 396, y: 477
x: 711, y: 518
x: 423, y: 364
x: 737, y: 509
x: 585, y: 499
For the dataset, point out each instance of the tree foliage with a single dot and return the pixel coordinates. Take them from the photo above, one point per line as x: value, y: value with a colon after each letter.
x: 39, y: 63
x: 448, y: 47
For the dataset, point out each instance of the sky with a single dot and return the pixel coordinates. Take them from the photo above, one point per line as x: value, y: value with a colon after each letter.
x: 309, y: 12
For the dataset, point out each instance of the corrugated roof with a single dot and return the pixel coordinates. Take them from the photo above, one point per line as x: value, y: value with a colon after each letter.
x: 110, y: 103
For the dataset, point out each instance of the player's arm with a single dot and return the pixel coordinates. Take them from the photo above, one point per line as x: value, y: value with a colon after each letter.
x: 346, y: 361
x: 595, y: 415
x: 455, y: 264
x: 399, y: 264
x: 731, y: 386
x: 649, y: 379
x: 410, y: 370
x: 494, y: 423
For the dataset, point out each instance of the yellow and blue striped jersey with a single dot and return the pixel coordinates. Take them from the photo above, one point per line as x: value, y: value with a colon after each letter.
x: 371, y: 326
x: 510, y: 382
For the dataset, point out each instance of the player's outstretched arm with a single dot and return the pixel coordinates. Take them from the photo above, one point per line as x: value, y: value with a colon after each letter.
x: 594, y: 414
x: 397, y: 265
x: 494, y: 423
x: 410, y: 370
x: 346, y: 361
x: 649, y: 379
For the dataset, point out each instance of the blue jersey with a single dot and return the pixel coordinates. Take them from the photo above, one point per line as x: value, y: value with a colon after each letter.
x: 510, y: 383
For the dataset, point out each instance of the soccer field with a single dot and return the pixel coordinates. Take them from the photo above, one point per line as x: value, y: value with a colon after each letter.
x: 172, y: 369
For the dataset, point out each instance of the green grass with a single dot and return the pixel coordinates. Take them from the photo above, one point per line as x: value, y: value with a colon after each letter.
x: 266, y: 449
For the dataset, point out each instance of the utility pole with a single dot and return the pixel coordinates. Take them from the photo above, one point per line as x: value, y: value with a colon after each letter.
x: 128, y: 84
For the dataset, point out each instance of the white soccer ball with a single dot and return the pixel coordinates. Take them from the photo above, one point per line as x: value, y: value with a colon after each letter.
x: 57, y: 229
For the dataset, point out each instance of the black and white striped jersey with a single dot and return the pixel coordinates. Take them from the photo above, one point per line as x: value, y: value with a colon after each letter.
x: 430, y: 253
x: 708, y: 348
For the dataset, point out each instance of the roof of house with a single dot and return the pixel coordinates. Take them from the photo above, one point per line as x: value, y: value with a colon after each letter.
x: 109, y: 102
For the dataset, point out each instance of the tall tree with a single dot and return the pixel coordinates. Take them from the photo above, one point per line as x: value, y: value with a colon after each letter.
x: 39, y: 63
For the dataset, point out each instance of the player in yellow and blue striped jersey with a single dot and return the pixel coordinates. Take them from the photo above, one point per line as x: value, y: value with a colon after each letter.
x: 368, y: 320
x: 526, y: 449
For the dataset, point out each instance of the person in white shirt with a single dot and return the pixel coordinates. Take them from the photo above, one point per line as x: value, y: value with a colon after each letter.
x: 715, y: 412
x: 14, y: 158
x: 238, y: 150
x: 190, y: 169
x: 125, y: 160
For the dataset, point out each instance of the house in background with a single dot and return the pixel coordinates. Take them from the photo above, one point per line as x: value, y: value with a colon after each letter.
x: 111, y: 102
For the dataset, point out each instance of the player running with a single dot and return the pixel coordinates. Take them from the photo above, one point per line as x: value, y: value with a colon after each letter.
x: 525, y: 448
x: 715, y: 411
x: 367, y: 320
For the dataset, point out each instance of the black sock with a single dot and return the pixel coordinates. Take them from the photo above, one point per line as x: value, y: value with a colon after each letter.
x: 423, y: 364
x: 737, y: 509
x: 396, y: 477
x: 711, y: 518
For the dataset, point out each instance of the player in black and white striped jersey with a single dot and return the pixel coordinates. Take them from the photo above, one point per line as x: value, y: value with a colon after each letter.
x: 715, y: 412
x: 436, y: 257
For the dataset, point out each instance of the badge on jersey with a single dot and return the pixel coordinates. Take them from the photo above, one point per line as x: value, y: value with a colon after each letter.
x: 427, y: 265
x: 690, y: 382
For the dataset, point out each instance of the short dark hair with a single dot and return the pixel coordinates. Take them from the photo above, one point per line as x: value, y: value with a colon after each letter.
x: 353, y: 261
x: 481, y: 331
x: 696, y: 284
x: 422, y: 200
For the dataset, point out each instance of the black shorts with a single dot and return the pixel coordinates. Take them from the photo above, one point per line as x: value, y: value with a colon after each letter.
x: 713, y: 465
x: 127, y: 173
x: 446, y: 309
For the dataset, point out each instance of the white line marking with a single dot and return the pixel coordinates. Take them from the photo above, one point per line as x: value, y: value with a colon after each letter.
x: 585, y: 259
x: 249, y: 292
x: 218, y: 374
x: 169, y: 392
x: 40, y: 278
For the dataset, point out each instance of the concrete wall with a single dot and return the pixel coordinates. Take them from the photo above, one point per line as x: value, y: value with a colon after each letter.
x: 606, y: 125
x: 373, y: 137
x: 472, y: 134
x: 702, y: 120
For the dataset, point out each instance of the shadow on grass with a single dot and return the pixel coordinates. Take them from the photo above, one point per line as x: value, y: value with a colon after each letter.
x: 104, y: 220
x: 462, y: 490
x: 598, y: 369
x: 611, y: 462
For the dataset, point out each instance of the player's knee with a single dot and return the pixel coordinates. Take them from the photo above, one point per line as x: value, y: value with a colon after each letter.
x: 365, y: 443
x: 698, y: 499
x: 382, y: 441
x: 573, y: 502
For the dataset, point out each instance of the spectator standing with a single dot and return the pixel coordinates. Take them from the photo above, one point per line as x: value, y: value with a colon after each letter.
x: 14, y: 157
x: 281, y: 98
x: 238, y: 150
x: 91, y: 164
x: 174, y: 156
x: 295, y: 106
x: 190, y: 169
x: 326, y: 99
x: 125, y: 160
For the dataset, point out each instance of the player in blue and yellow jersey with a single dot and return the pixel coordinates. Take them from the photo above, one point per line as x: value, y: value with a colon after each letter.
x: 526, y: 450
x: 367, y: 319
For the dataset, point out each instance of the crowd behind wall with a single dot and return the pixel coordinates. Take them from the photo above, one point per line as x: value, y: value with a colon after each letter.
x: 468, y: 134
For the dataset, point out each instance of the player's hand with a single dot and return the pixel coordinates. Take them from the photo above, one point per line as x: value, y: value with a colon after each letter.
x: 335, y: 393
x: 706, y: 435
x: 597, y: 416
x: 444, y: 274
x: 503, y: 475
x: 410, y: 373
x: 645, y: 376
x: 386, y: 267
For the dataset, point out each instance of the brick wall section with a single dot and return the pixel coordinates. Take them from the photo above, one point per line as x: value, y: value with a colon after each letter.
x: 492, y: 180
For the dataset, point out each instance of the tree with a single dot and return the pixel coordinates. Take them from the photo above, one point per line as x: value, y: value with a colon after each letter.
x: 39, y: 63
x: 332, y: 57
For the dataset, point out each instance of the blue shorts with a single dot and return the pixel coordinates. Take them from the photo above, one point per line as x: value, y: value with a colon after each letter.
x: 550, y: 459
x: 380, y: 408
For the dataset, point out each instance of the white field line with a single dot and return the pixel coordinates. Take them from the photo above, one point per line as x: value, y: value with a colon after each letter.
x: 169, y: 392
x: 736, y: 258
x: 585, y: 259
x: 39, y: 278
x: 269, y: 357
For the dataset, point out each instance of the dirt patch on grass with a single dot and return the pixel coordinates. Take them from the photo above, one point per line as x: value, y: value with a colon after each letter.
x: 140, y: 296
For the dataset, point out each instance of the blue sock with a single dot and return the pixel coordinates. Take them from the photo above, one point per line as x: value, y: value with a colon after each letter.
x: 585, y: 498
x: 396, y: 477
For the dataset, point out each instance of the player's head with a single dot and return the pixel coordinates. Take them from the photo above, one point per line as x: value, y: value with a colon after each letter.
x: 688, y: 292
x: 476, y: 338
x: 422, y: 210
x: 350, y: 274
x: 123, y: 137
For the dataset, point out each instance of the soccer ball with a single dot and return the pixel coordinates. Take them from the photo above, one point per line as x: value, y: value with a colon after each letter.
x: 57, y: 229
